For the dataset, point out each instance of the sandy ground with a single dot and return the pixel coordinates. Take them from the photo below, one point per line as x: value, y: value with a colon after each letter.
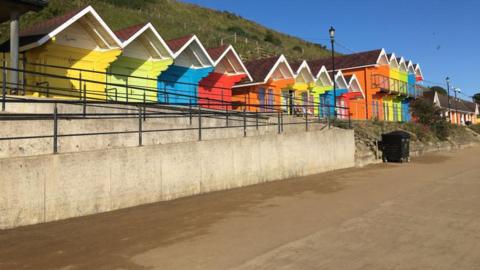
x: 423, y: 215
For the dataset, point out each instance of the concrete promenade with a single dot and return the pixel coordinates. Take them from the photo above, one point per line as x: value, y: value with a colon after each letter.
x: 422, y: 215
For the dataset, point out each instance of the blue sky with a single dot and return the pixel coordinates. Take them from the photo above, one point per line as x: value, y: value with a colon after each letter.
x: 442, y: 35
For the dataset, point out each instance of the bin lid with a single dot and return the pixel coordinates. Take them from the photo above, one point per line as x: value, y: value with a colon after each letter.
x: 397, y: 134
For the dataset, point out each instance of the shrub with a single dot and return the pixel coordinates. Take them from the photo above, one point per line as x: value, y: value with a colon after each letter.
x: 238, y: 30
x: 431, y: 117
x: 298, y: 49
x: 270, y: 37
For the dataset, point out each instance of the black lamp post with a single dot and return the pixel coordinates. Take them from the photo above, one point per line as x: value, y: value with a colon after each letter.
x: 457, y: 119
x: 332, y: 41
x: 448, y: 99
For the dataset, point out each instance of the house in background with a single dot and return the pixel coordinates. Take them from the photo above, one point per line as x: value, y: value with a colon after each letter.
x: 178, y: 85
x: 215, y: 90
x: 271, y: 77
x: 133, y: 76
x: 460, y: 112
x: 76, y: 47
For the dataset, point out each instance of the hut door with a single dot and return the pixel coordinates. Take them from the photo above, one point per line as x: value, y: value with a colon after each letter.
x: 261, y: 99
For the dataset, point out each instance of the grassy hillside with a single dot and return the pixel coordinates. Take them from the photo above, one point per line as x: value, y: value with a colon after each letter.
x: 174, y: 19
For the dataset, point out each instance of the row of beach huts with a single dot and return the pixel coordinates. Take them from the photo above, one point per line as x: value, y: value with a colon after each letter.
x: 77, y: 55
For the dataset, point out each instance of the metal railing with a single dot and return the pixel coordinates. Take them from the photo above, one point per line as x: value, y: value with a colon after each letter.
x: 120, y: 105
x: 394, y: 86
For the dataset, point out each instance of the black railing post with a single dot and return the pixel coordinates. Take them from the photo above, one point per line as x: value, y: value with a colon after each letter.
x: 144, y: 114
x: 126, y: 89
x: 144, y: 97
x: 306, y: 117
x: 199, y: 125
x: 79, y: 85
x: 84, y: 99
x: 278, y: 123
x: 4, y: 83
x: 55, y: 129
x: 24, y: 76
x: 281, y: 121
x: 349, y: 119
x: 190, y: 111
x: 244, y: 123
x: 256, y: 118
x: 328, y: 116
x: 140, y: 139
x: 116, y: 94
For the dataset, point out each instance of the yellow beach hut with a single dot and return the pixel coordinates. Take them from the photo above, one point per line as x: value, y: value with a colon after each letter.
x: 133, y: 76
x: 68, y: 55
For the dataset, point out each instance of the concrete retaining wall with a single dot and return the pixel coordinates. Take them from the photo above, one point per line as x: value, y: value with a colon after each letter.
x: 31, y: 147
x: 45, y: 188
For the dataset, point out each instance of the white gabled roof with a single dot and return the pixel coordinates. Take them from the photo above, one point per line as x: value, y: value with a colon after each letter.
x: 150, y: 27
x: 302, y: 66
x: 393, y: 59
x: 410, y: 66
x: 323, y: 70
x: 281, y: 59
x: 339, y: 76
x: 383, y: 53
x: 230, y: 48
x: 418, y: 70
x: 354, y: 80
x: 69, y: 22
x: 402, y: 62
x: 195, y: 39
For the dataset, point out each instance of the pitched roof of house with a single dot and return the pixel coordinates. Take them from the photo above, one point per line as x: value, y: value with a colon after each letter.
x: 176, y: 44
x: 47, y: 26
x: 38, y: 30
x: 346, y: 61
x: 126, y: 33
x: 44, y: 30
x: 455, y: 104
x: 295, y: 66
x: 260, y: 68
x: 217, y: 52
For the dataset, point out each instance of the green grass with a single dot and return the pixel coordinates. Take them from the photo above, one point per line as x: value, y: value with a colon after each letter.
x: 174, y: 19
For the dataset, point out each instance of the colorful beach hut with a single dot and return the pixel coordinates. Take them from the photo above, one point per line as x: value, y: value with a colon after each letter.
x: 215, y: 90
x: 411, y: 79
x: 270, y: 77
x: 323, y: 83
x: 303, y: 94
x: 372, y: 72
x: 76, y: 47
x: 330, y: 101
x: 349, y: 99
x: 133, y: 76
x: 178, y: 85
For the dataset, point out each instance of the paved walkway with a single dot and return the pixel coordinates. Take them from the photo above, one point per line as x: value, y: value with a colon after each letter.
x: 423, y: 215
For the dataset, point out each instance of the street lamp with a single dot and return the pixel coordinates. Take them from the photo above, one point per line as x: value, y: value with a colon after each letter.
x: 332, y: 41
x: 457, y: 90
x: 448, y: 98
